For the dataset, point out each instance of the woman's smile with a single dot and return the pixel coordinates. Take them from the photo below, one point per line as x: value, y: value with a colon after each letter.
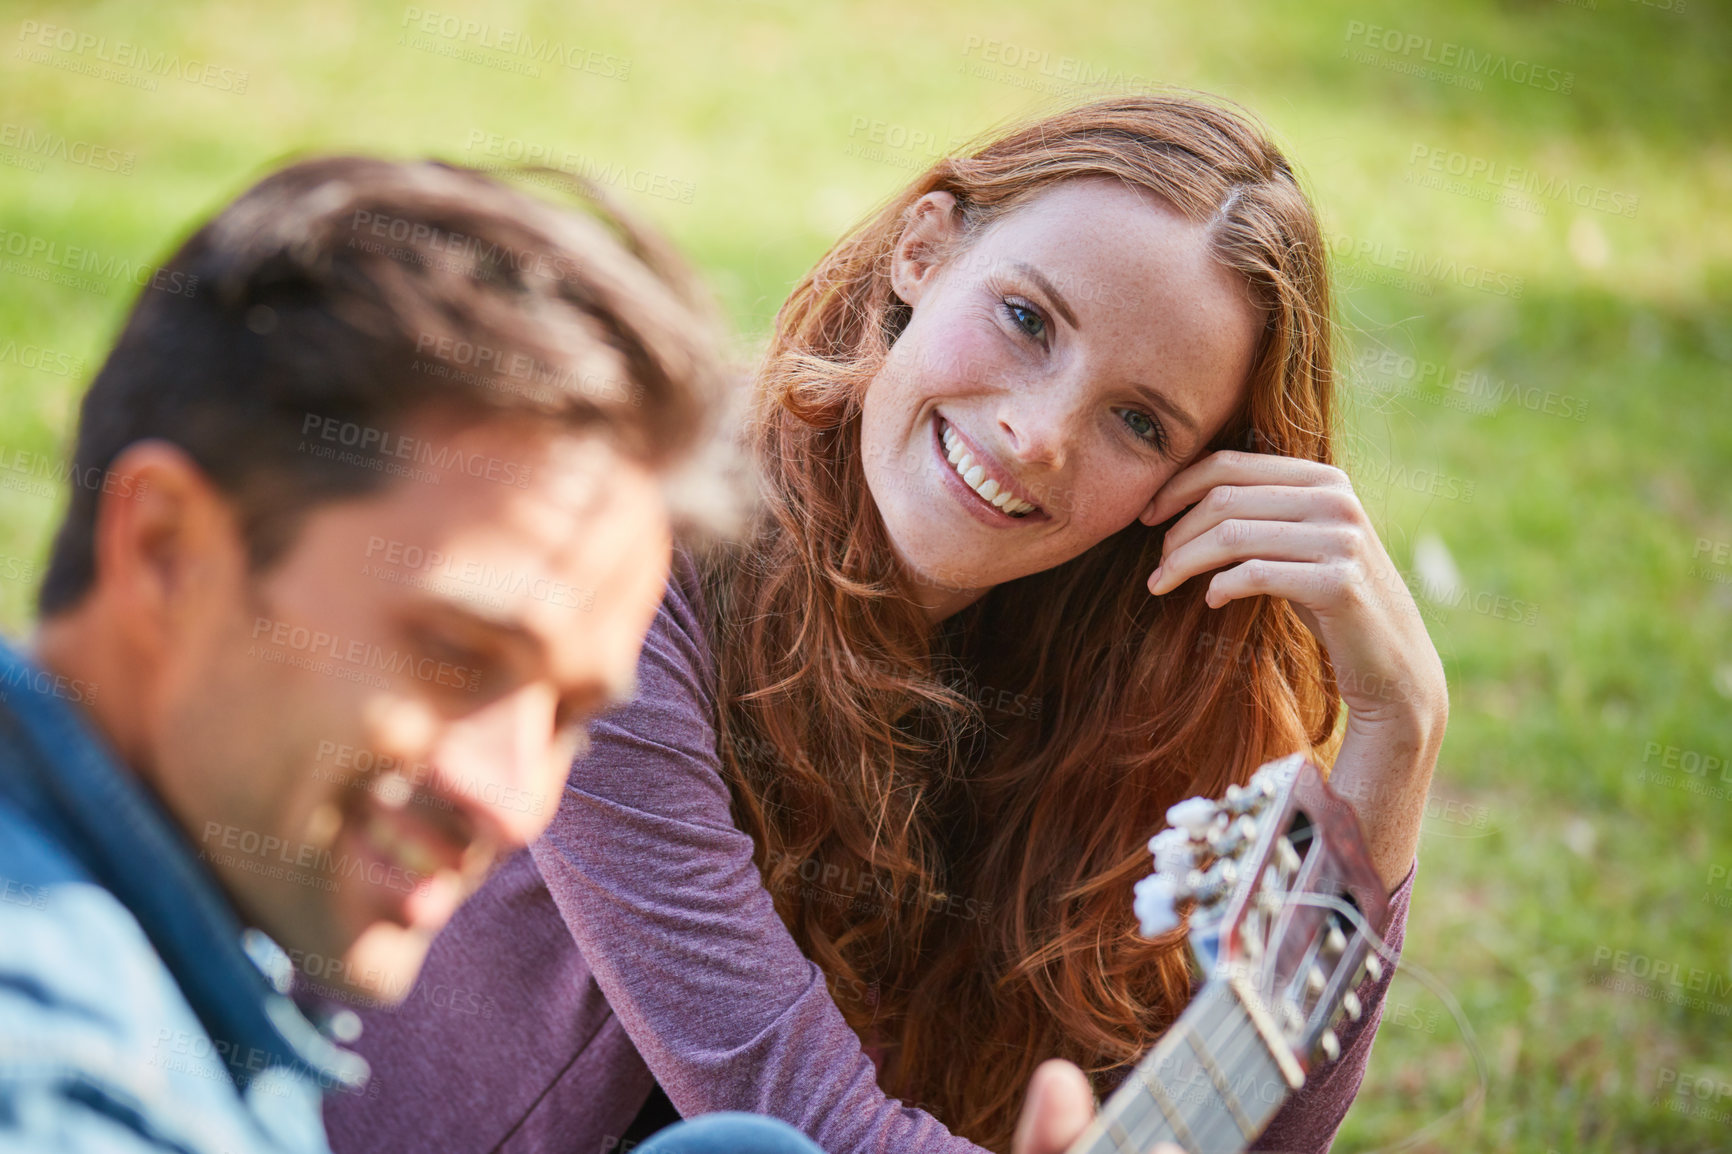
x: 981, y: 483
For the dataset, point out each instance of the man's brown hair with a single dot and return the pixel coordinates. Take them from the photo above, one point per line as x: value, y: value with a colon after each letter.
x: 288, y: 341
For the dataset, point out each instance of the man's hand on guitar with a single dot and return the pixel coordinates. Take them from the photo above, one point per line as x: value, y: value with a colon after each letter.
x: 1059, y: 1107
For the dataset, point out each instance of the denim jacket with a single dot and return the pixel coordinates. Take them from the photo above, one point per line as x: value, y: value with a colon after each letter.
x: 137, y: 1012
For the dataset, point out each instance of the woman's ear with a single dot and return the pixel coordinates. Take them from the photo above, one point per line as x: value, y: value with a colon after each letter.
x: 934, y: 226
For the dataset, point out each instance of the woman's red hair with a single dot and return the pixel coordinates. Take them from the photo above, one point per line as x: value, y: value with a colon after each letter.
x: 963, y: 874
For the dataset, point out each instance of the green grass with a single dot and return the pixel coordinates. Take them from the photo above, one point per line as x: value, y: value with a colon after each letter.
x: 1593, y: 523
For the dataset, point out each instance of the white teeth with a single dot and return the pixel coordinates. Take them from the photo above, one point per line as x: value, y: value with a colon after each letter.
x: 405, y: 850
x: 383, y: 837
x: 974, y: 476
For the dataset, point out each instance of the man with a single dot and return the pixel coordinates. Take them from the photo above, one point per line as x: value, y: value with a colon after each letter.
x: 368, y: 517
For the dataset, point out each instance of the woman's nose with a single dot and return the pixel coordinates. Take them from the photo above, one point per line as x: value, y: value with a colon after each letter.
x: 1037, y: 429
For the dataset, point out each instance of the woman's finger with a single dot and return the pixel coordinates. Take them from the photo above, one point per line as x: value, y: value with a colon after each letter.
x: 1234, y: 540
x: 1188, y: 486
x: 1265, y: 503
x: 1304, y: 583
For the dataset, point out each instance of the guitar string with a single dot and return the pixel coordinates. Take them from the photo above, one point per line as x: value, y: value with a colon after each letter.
x: 1443, y: 994
x: 1237, y: 1021
x: 1223, y: 1034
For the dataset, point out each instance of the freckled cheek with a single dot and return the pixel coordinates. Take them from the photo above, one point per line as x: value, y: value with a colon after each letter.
x: 1106, y: 504
x: 958, y: 356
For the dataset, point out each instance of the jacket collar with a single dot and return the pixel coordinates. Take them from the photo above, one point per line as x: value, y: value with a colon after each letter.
x: 63, y: 775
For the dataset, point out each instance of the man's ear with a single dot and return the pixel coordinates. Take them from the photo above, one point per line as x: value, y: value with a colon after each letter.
x: 167, y: 546
x: 934, y: 226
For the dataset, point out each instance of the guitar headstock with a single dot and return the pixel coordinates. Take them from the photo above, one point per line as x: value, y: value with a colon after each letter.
x: 1259, y: 866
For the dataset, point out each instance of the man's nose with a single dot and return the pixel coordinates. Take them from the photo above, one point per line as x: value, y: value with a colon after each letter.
x: 505, y: 752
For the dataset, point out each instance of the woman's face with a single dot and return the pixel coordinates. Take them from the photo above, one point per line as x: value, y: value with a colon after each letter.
x: 1075, y: 355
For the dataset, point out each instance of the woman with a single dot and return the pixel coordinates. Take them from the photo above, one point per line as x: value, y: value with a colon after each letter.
x: 870, y: 830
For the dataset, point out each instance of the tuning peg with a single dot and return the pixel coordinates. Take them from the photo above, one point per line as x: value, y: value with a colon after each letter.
x: 1271, y: 778
x: 1314, y: 979
x: 1154, y: 905
x: 1193, y: 815
x: 1350, y: 1003
x: 1335, y: 942
x: 1374, y: 967
x: 1286, y: 857
x: 1330, y: 1045
x: 1239, y: 833
x: 1174, y: 852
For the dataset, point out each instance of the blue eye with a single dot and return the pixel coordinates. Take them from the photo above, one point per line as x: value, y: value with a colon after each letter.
x: 1145, y: 427
x: 1026, y: 319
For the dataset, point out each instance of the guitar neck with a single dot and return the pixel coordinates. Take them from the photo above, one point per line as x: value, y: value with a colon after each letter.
x: 1211, y: 1084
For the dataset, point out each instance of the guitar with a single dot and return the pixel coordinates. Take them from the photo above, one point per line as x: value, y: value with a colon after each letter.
x: 1284, y: 894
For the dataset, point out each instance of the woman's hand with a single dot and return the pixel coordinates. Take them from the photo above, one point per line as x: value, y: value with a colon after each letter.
x: 1058, y: 1109
x: 1295, y: 529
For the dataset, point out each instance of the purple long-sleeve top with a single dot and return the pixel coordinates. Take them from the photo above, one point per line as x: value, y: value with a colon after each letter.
x: 635, y: 943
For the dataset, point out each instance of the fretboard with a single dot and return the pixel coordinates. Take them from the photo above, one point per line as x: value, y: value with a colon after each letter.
x: 1210, y: 1084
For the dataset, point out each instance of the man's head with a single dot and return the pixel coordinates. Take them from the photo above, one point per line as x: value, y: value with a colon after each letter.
x: 381, y: 524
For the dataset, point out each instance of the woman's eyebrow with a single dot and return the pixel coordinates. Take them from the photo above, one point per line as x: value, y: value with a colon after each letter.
x: 1046, y: 286
x: 1156, y: 400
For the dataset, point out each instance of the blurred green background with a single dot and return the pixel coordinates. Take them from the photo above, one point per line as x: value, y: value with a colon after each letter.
x: 1531, y: 209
